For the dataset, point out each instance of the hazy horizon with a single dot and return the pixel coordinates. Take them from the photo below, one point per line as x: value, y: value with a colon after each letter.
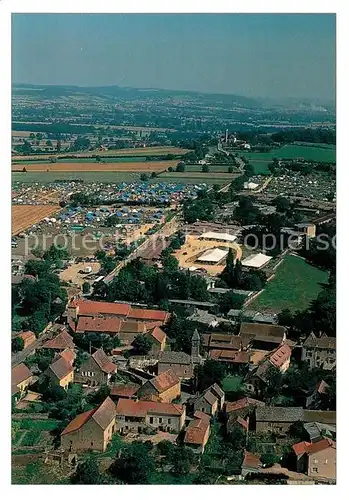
x: 268, y: 56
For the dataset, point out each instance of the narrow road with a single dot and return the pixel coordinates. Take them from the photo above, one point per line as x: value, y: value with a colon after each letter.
x: 20, y: 357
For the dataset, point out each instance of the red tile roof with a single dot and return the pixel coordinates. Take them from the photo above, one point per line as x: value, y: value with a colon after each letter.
x: 69, y: 355
x: 93, y: 308
x: 149, y: 315
x: 196, y: 431
x: 311, y: 448
x: 158, y: 334
x: 102, y: 415
x: 132, y: 327
x: 103, y: 361
x: 126, y: 390
x: 61, y: 367
x: 27, y: 336
x: 230, y: 356
x: 130, y: 408
x: 201, y: 415
x: 164, y: 381
x: 20, y: 373
x: 62, y: 341
x: 280, y: 355
x: 241, y: 404
x: 107, y: 325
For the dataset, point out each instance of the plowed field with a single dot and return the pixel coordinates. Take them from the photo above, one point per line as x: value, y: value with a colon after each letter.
x: 24, y: 216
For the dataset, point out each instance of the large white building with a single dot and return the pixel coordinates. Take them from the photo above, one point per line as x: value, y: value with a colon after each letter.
x: 213, y: 255
x: 212, y: 236
x: 256, y: 261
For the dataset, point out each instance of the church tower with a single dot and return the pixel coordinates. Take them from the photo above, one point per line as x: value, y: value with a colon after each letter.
x: 195, y: 346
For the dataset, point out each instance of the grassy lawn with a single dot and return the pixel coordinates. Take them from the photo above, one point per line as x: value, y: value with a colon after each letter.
x: 39, y: 425
x: 31, y: 438
x: 295, y: 285
x: 37, y: 473
x: 46, y: 177
x: 313, y: 152
x: 231, y: 383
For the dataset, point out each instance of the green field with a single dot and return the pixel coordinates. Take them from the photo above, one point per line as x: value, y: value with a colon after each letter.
x: 106, y: 159
x: 46, y: 177
x: 188, y: 178
x: 319, y: 152
x: 39, y: 425
x: 231, y: 383
x: 295, y: 285
x: 213, y: 168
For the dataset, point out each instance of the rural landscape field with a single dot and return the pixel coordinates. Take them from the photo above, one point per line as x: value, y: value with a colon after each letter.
x: 173, y: 252
x: 24, y: 216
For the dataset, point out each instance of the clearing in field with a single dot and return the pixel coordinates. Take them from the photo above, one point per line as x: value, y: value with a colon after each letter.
x: 24, y: 216
x: 295, y: 285
x: 194, y: 247
x: 149, y: 166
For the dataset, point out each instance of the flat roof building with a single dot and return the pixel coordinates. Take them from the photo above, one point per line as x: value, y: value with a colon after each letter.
x: 210, y: 235
x: 256, y: 261
x: 213, y: 256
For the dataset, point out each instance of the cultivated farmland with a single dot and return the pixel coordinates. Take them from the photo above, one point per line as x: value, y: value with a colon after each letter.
x: 146, y: 166
x: 151, y: 151
x: 24, y: 216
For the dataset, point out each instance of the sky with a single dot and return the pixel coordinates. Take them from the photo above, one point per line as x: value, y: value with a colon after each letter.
x: 255, y: 55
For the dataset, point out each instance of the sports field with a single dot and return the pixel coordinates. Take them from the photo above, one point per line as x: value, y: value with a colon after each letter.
x: 260, y: 161
x: 295, y: 285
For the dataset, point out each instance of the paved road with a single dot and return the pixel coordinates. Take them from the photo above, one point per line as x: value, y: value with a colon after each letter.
x: 21, y: 356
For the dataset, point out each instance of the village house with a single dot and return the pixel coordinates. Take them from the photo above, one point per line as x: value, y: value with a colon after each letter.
x: 21, y: 378
x: 317, y: 460
x: 164, y: 387
x: 243, y: 408
x: 210, y: 401
x: 317, y: 431
x: 279, y: 358
x: 179, y: 362
x: 137, y: 416
x: 77, y: 308
x: 313, y: 399
x: 277, y: 418
x: 96, y: 370
x: 319, y: 352
x: 124, y: 391
x: 110, y: 325
x: 197, y: 433
x: 91, y: 430
x: 61, y: 371
x: 28, y: 338
x: 158, y: 339
x: 61, y: 342
x: 262, y: 336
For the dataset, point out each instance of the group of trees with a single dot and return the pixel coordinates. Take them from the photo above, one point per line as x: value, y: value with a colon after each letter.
x: 298, y: 382
x: 201, y: 208
x: 37, y: 301
x: 139, y: 282
x: 235, y: 277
